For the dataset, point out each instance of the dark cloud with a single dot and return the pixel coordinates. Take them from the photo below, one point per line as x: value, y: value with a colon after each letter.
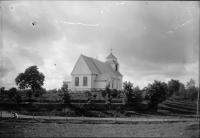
x: 137, y: 31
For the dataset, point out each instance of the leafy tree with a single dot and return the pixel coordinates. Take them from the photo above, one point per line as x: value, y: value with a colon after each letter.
x: 39, y: 92
x: 88, y: 96
x: 157, y: 92
x: 31, y: 78
x: 94, y: 96
x: 192, y: 91
x: 190, y: 84
x: 2, y: 92
x: 114, y: 93
x: 18, y: 98
x: 64, y: 94
x: 128, y: 92
x: 29, y: 93
x: 108, y: 95
x: 2, y: 89
x: 103, y: 93
x: 182, y: 90
x: 11, y: 92
x: 137, y: 95
x: 173, y: 86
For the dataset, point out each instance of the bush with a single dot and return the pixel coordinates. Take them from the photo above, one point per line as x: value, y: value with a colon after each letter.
x: 114, y: 93
x: 18, y: 98
x: 64, y: 94
x: 94, y: 96
x: 30, y: 100
x: 29, y: 93
x: 103, y: 93
x: 12, y: 92
x: 87, y: 95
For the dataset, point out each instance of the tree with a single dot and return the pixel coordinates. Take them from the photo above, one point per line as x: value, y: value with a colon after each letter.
x: 94, y: 96
x: 114, y: 93
x: 182, y: 90
x: 108, y: 95
x: 18, y: 98
x: 173, y: 86
x: 128, y: 92
x: 103, y: 93
x: 157, y: 92
x: 137, y: 96
x: 29, y: 93
x: 11, y: 92
x: 64, y: 94
x: 192, y: 91
x: 2, y: 92
x: 39, y: 92
x: 31, y: 78
x: 88, y: 96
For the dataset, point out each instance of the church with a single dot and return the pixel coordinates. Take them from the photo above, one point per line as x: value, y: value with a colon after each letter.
x: 91, y: 74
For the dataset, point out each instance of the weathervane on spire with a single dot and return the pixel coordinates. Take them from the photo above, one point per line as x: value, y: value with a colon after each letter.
x: 111, y: 50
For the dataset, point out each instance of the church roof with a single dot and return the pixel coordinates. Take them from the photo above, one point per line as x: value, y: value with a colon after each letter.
x: 102, y: 77
x: 111, y: 56
x: 98, y: 67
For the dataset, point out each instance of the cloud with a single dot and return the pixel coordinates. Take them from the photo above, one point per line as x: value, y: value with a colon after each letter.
x: 7, y: 66
x: 137, y: 32
x: 17, y: 24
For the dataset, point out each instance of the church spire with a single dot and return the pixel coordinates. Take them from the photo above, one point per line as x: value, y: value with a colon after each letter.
x: 112, y: 61
x: 111, y: 56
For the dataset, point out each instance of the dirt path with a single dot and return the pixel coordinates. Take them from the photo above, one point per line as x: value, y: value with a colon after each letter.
x: 8, y: 114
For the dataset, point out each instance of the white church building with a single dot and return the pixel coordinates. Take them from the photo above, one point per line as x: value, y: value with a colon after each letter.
x: 92, y: 74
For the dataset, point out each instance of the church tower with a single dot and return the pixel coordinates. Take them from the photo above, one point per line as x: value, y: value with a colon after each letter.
x: 112, y: 61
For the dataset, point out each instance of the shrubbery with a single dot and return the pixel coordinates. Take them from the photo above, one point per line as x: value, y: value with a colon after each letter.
x: 64, y: 94
x: 12, y: 92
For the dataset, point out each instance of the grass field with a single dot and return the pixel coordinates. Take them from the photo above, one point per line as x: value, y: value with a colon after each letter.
x: 29, y: 128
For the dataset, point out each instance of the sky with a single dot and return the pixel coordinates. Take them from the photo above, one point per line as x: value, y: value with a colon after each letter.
x: 152, y: 40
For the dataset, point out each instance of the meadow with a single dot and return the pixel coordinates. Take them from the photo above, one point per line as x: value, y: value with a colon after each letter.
x: 31, y: 128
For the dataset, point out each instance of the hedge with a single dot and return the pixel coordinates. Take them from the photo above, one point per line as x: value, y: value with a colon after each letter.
x: 60, y: 106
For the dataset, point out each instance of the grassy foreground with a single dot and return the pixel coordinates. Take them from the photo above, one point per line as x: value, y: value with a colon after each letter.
x: 33, y: 128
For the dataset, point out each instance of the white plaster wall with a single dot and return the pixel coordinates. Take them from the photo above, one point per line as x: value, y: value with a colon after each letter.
x: 100, y: 85
x: 81, y: 67
x: 93, y: 77
x: 80, y: 87
x: 120, y: 82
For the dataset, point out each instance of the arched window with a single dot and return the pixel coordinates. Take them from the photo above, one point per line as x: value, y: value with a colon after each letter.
x: 76, y: 81
x: 85, y: 81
